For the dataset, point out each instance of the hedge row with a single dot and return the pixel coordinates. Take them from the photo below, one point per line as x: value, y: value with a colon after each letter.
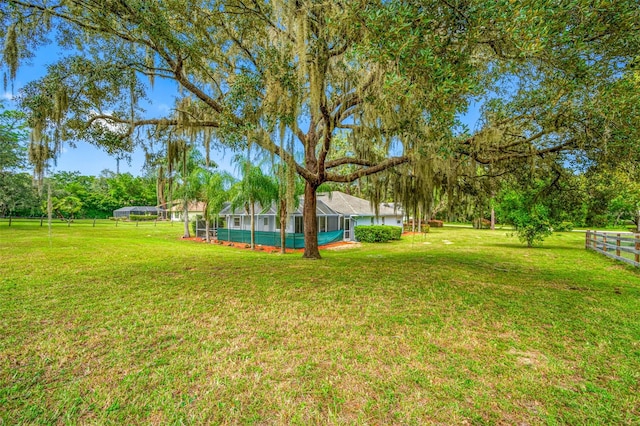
x: 377, y: 233
x: 143, y: 217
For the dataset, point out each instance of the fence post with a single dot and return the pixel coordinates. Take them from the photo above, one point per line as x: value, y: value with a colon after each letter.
x: 604, y: 242
x: 94, y: 221
x: 595, y: 240
x: 618, y: 246
x: 41, y: 219
x: 637, y: 249
x: 587, y: 239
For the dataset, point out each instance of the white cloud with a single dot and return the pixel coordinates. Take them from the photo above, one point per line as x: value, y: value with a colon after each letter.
x: 109, y: 125
x: 8, y: 96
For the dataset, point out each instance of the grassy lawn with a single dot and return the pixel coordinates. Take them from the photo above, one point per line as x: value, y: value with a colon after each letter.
x: 131, y: 325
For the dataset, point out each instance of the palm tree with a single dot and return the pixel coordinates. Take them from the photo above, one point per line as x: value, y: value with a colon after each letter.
x: 254, y: 187
x: 213, y: 192
x: 190, y: 183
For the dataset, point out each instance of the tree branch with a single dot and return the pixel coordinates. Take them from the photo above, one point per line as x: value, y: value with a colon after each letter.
x: 386, y: 164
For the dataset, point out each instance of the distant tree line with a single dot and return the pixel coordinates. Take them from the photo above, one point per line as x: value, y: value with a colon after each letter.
x: 74, y: 195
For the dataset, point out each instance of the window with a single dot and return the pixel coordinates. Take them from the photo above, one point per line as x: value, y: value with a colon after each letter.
x: 236, y: 222
x: 298, y: 225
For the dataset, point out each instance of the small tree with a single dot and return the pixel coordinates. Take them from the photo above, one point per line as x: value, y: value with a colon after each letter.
x: 214, y: 191
x: 530, y: 218
x: 255, y: 187
x: 532, y: 226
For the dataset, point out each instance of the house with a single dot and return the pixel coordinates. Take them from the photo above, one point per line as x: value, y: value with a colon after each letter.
x: 126, y: 212
x: 194, y: 210
x: 338, y: 214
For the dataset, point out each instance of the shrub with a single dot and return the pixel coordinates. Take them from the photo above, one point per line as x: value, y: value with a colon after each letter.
x: 377, y: 233
x: 142, y: 217
x: 563, y: 227
x: 435, y: 223
x: 532, y: 226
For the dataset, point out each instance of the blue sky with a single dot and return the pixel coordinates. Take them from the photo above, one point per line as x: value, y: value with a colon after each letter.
x: 86, y: 158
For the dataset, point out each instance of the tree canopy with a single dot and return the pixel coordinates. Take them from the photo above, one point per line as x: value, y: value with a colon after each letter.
x: 558, y: 81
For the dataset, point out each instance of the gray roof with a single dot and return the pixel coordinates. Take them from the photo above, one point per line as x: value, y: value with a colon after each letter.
x: 138, y: 209
x: 266, y: 211
x: 321, y: 210
x: 348, y: 205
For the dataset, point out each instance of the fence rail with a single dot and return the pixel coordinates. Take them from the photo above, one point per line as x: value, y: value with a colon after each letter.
x: 623, y: 246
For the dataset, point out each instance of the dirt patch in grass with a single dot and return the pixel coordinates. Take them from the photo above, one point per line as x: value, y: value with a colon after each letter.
x: 529, y: 358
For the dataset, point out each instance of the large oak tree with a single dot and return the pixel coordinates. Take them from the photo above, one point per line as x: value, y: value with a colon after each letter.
x: 289, y: 75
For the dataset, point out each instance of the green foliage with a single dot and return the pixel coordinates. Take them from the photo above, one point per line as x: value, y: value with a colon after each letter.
x: 18, y: 197
x: 617, y: 190
x: 143, y: 217
x: 377, y: 233
x: 68, y: 206
x: 530, y: 218
x: 533, y: 229
x: 563, y: 227
x: 12, y: 140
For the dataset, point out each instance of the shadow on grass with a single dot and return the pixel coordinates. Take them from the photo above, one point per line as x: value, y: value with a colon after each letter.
x: 542, y: 247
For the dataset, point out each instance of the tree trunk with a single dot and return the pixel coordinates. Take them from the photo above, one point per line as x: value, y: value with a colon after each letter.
x: 253, y: 225
x: 207, y: 226
x: 638, y: 221
x: 413, y: 220
x: 185, y: 213
x: 160, y: 198
x: 283, y: 226
x: 310, y: 223
x: 493, y: 219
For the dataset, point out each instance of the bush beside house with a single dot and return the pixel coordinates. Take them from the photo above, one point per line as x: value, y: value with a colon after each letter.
x: 377, y: 233
x: 143, y: 217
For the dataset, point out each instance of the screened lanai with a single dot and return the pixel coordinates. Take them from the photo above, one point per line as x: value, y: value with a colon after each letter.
x: 267, y: 226
x: 125, y: 212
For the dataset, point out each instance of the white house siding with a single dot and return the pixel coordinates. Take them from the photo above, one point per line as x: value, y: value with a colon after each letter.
x: 332, y: 212
x: 177, y: 216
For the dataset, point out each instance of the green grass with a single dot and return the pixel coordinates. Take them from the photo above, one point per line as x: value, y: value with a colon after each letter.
x: 131, y: 325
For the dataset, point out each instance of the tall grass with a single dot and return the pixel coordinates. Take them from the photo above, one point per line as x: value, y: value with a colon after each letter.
x: 132, y: 325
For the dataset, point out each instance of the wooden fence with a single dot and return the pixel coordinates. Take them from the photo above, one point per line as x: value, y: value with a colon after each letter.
x: 624, y: 246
